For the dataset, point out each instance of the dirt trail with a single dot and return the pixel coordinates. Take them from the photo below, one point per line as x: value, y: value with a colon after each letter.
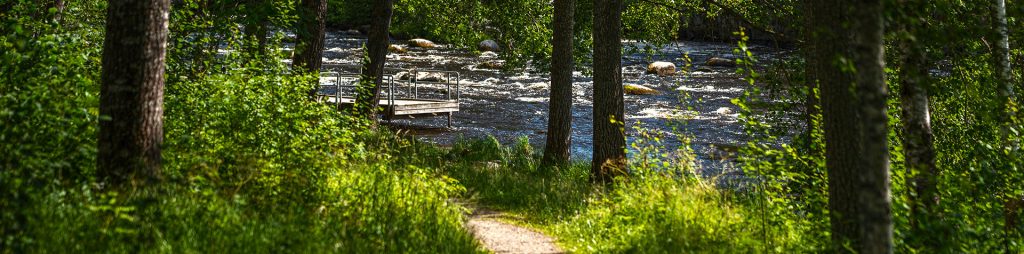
x: 501, y: 237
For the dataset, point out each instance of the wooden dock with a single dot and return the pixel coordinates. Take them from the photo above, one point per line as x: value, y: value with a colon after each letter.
x: 409, y: 108
x: 434, y: 93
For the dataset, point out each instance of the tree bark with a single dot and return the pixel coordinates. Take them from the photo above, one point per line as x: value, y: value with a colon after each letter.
x: 609, y: 121
x: 874, y: 200
x: 556, y: 150
x: 131, y: 93
x: 309, y: 46
x: 839, y: 115
x: 811, y: 66
x: 256, y: 26
x: 1003, y: 69
x: 1005, y: 94
x: 1002, y: 61
x: 918, y: 141
x: 373, y: 71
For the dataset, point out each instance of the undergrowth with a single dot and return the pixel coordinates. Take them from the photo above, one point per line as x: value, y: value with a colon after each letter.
x: 251, y: 165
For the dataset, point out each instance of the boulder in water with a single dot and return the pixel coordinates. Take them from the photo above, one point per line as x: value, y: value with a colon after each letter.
x: 493, y: 65
x: 422, y: 43
x: 704, y: 69
x: 720, y: 62
x: 723, y: 111
x: 661, y: 68
x: 488, y: 45
x: 634, y: 89
x: 430, y: 77
x: 488, y: 54
x: 398, y: 49
x: 403, y: 76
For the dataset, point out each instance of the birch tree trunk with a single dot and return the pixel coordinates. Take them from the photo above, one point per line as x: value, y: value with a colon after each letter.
x: 874, y: 216
x: 918, y: 141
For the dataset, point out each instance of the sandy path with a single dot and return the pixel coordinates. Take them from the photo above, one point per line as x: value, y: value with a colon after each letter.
x: 501, y: 237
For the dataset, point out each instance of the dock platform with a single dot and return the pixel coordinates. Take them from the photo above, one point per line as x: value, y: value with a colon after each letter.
x: 404, y: 94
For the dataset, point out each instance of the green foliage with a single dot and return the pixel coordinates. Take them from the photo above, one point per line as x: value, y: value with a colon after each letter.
x: 660, y: 213
x: 980, y: 171
x: 350, y: 13
x: 251, y: 164
x: 648, y: 22
x: 362, y: 210
x: 48, y: 106
x: 509, y: 178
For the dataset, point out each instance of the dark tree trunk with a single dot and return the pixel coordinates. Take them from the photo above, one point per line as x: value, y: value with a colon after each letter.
x: 556, y: 150
x: 609, y: 121
x: 811, y: 66
x: 918, y: 144
x: 309, y: 47
x: 131, y: 93
x: 373, y: 71
x: 839, y: 115
x: 256, y: 26
x: 874, y: 215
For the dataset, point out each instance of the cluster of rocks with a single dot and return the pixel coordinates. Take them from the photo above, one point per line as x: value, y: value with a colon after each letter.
x: 662, y: 68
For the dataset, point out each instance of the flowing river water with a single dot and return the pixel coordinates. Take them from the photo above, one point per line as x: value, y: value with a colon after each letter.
x: 694, y: 105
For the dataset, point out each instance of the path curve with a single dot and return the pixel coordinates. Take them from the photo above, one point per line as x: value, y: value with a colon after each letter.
x: 501, y: 237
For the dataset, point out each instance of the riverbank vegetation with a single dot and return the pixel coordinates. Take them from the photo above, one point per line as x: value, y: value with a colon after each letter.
x: 903, y: 113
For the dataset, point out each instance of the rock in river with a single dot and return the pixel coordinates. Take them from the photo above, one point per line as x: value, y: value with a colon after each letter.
x: 488, y: 54
x: 421, y: 76
x: 662, y: 68
x: 493, y: 65
x: 723, y: 111
x: 422, y: 43
x: 488, y: 45
x: 720, y: 62
x: 634, y: 89
x: 397, y: 49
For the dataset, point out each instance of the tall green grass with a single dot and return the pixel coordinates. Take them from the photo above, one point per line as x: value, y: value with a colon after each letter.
x: 251, y: 164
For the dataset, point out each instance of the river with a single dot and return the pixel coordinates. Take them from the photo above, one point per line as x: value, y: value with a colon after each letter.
x: 694, y: 104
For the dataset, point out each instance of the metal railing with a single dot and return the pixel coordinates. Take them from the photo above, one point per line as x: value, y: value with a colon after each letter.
x: 350, y: 82
x: 407, y: 83
x: 413, y: 83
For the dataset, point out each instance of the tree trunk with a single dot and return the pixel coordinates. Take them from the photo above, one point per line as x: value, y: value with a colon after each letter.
x: 1002, y: 61
x: 918, y: 144
x: 256, y: 26
x: 609, y: 121
x: 131, y: 93
x: 811, y: 65
x: 309, y: 46
x: 373, y: 71
x: 1005, y: 94
x: 874, y: 217
x: 839, y: 115
x: 556, y: 150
